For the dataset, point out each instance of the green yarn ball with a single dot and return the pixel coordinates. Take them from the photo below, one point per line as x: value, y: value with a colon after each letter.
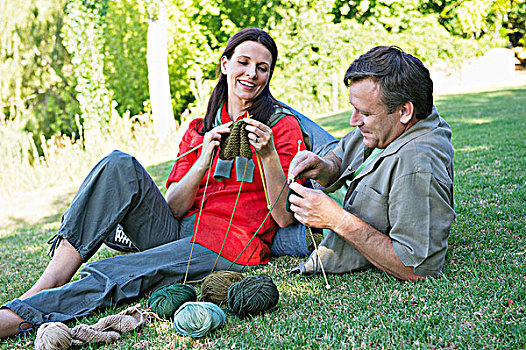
x: 166, y: 300
x: 253, y: 295
x: 197, y: 319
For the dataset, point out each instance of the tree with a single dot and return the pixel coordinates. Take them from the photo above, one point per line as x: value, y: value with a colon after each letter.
x: 515, y: 25
x: 37, y: 85
x: 159, y: 82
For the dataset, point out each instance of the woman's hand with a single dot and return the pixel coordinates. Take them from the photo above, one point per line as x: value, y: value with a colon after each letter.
x: 211, y: 141
x: 260, y: 137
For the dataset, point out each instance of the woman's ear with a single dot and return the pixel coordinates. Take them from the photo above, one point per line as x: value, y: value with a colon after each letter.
x: 406, y: 112
x: 224, y: 62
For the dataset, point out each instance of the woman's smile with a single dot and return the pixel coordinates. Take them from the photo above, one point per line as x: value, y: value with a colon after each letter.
x: 247, y: 84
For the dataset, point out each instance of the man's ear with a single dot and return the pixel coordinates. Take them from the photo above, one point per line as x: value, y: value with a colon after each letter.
x: 406, y: 112
x: 224, y: 62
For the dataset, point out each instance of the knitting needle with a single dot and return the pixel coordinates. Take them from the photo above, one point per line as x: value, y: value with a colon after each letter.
x: 263, y: 180
x: 262, y: 176
x: 327, y: 286
x: 188, y: 152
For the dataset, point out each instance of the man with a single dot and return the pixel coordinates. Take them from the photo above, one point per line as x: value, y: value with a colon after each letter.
x: 398, y: 166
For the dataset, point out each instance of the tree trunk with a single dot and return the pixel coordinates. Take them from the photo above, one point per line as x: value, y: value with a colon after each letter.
x: 158, y: 79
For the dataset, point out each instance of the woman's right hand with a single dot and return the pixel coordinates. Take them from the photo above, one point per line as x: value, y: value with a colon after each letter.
x: 211, y: 141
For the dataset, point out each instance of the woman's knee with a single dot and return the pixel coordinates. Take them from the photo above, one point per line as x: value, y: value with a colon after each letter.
x: 117, y: 158
x: 119, y: 164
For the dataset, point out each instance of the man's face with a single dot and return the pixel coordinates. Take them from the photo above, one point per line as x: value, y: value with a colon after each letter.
x: 370, y: 115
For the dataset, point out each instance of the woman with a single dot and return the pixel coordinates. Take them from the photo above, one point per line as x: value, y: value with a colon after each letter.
x: 119, y: 191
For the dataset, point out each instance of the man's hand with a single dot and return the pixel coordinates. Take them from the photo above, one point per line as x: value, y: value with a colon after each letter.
x: 311, y: 166
x: 314, y: 208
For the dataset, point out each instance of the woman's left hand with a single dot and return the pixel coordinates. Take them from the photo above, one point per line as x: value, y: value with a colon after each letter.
x: 260, y: 137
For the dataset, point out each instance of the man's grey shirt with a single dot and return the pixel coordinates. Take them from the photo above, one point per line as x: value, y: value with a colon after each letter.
x: 406, y: 192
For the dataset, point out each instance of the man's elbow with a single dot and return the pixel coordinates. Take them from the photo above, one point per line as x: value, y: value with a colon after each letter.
x: 414, y: 278
x: 407, y: 274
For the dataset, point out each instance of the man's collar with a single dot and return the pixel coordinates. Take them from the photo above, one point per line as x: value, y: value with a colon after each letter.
x: 419, y: 128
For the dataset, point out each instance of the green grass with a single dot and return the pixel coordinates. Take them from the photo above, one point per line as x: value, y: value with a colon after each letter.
x: 479, y: 302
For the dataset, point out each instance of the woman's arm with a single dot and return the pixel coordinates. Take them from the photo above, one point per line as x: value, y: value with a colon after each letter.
x: 181, y: 195
x: 261, y: 137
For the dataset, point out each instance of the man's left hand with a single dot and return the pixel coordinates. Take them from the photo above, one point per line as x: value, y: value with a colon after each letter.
x: 314, y: 208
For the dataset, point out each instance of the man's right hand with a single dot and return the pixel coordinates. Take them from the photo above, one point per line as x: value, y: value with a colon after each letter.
x: 311, y: 166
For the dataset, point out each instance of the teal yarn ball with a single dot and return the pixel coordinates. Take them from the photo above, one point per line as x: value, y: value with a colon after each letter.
x: 253, y: 295
x: 197, y: 319
x: 167, y: 299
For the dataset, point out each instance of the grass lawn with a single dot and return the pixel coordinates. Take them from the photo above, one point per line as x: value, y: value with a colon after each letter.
x: 479, y: 302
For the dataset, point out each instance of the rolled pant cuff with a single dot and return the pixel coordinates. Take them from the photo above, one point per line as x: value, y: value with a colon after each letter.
x: 34, y: 316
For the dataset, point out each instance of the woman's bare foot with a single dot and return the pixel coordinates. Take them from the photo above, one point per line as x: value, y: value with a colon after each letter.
x: 9, y: 322
x: 59, y: 271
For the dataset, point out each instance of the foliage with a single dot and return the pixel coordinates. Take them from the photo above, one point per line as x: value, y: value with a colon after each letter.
x: 39, y: 73
x: 313, y: 48
x: 478, y: 302
x: 394, y: 16
x: 125, y: 70
x: 64, y: 160
x: 474, y: 18
x: 83, y: 38
x: 103, y: 71
x: 515, y: 25
x: 465, y: 18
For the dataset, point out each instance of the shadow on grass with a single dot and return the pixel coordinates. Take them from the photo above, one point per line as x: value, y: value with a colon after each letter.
x: 38, y: 213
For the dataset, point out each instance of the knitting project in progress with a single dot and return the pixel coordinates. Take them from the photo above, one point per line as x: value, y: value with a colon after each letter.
x: 235, y: 144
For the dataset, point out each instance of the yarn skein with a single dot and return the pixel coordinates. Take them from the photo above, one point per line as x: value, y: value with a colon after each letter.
x: 57, y: 336
x: 167, y: 299
x: 215, y: 286
x: 197, y: 319
x: 53, y: 336
x: 253, y: 295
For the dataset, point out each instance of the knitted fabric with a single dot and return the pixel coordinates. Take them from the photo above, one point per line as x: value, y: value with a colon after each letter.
x: 236, y: 143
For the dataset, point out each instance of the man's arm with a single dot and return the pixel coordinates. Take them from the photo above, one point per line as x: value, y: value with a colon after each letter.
x: 316, y: 209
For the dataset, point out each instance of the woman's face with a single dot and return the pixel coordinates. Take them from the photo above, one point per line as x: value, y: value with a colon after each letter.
x: 247, y: 72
